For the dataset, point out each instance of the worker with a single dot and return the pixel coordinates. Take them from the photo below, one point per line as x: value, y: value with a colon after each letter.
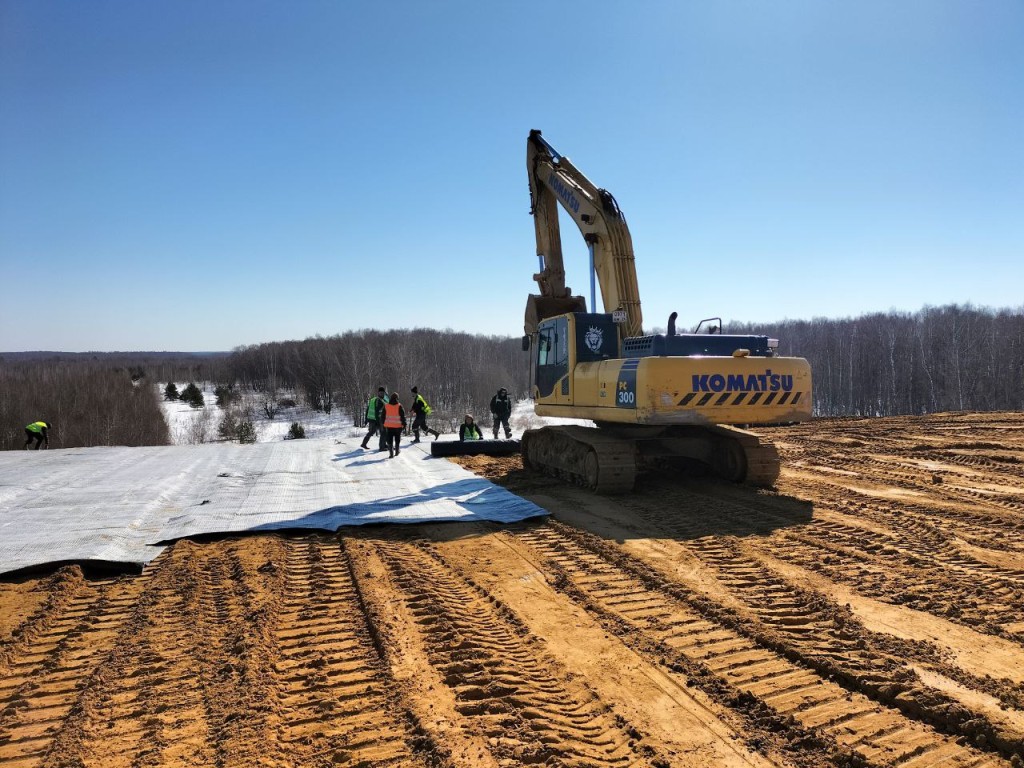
x: 37, y: 431
x: 374, y: 417
x: 420, y: 411
x: 394, y: 423
x: 501, y: 410
x: 468, y: 430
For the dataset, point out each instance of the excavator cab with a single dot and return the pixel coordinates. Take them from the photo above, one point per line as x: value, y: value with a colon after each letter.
x: 562, y: 344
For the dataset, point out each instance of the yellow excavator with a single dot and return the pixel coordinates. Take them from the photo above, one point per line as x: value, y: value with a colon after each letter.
x: 659, y: 401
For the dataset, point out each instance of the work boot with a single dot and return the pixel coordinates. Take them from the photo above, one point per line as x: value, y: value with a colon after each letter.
x: 397, y: 451
x: 508, y: 435
x: 363, y: 446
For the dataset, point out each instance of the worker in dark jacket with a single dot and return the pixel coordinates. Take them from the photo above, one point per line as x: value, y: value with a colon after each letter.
x: 37, y: 431
x: 468, y: 430
x: 375, y: 417
x: 501, y: 410
x: 420, y: 411
x: 394, y: 423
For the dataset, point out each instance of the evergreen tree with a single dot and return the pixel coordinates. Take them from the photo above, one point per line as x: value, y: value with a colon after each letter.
x: 225, y: 395
x: 246, y: 431
x: 193, y: 396
x: 228, y: 429
x: 171, y: 391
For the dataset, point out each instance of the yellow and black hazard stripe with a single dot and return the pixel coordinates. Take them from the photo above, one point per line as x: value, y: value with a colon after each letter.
x: 762, y: 399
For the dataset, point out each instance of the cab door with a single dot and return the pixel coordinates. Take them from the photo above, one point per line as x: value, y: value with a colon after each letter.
x: 552, y: 363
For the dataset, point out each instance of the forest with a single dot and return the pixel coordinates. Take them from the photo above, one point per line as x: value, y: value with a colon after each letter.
x: 950, y: 358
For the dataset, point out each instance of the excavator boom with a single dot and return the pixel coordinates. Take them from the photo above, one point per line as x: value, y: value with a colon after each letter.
x: 555, y: 181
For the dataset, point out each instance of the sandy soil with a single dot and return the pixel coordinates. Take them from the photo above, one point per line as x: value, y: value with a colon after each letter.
x: 867, y: 612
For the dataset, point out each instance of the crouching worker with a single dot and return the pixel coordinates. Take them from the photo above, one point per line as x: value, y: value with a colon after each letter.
x: 468, y: 430
x: 37, y: 431
x: 394, y: 423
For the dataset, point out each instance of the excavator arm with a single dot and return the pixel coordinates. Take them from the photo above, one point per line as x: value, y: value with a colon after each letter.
x: 555, y: 181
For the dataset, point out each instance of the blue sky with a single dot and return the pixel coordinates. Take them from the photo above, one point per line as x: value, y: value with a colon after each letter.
x: 198, y: 176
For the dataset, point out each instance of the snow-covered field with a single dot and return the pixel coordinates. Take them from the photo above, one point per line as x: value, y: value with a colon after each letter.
x: 191, y: 426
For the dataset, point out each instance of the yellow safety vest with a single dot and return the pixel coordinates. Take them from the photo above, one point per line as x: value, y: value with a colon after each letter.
x: 427, y: 410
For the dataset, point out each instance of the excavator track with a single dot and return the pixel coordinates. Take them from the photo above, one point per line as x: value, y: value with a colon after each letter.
x: 583, y: 456
x: 608, y: 463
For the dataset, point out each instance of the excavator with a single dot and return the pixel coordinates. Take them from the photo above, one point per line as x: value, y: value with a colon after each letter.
x: 662, y: 402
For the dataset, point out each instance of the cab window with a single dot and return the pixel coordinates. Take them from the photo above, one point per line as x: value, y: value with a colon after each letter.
x: 552, y: 354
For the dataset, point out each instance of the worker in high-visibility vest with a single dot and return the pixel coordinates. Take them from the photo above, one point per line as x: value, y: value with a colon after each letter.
x: 374, y: 417
x: 37, y: 431
x: 469, y: 430
x: 394, y: 423
x: 420, y: 411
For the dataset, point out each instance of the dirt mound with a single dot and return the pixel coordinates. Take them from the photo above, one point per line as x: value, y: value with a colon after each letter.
x: 867, y: 612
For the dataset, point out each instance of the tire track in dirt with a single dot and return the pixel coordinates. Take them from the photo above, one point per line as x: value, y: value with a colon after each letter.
x: 946, y: 539
x: 914, y: 538
x: 810, y: 628
x: 50, y: 657
x: 661, y: 613
x: 234, y: 609
x: 991, y: 530
x: 872, y: 564
x: 528, y: 710
x: 110, y: 700
x: 942, y: 488
x: 334, y: 687
x: 922, y: 455
x: 234, y: 653
x: 897, y: 565
x: 138, y: 707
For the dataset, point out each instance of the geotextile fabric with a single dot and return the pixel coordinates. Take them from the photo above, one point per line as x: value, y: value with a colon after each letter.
x: 117, y: 505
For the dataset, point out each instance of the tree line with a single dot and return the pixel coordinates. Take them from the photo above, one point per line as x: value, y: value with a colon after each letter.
x: 88, y: 403
x: 95, y: 398
x: 950, y: 358
x: 457, y: 373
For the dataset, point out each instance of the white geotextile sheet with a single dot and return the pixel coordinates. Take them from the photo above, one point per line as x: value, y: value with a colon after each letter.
x: 118, y: 504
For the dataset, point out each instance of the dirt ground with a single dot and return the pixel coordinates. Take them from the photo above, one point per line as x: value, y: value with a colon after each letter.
x: 866, y: 612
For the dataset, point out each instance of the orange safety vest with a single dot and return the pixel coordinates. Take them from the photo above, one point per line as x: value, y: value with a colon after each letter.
x: 392, y: 416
